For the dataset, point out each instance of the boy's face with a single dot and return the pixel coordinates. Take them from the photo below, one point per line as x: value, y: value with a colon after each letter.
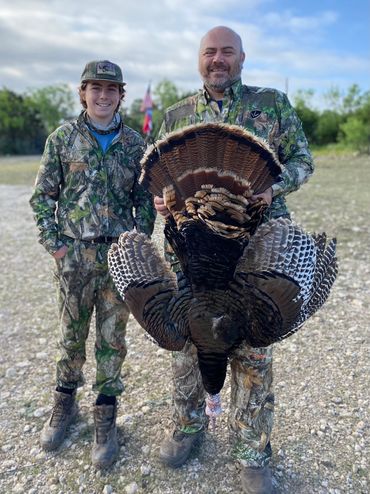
x: 102, y: 99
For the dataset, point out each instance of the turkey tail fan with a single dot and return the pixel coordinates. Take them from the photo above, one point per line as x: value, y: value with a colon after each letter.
x: 186, y: 157
x: 149, y: 288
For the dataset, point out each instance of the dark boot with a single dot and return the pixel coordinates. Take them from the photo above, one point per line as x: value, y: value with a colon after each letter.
x: 63, y: 413
x: 105, y: 448
x: 176, y: 448
x: 256, y: 480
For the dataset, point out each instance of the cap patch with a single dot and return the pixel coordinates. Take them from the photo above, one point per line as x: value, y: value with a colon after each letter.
x: 106, y: 68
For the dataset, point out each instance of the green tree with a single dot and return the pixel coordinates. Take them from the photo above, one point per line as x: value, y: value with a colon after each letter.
x: 344, y: 103
x: 356, y: 134
x: 328, y: 127
x: 166, y: 94
x: 133, y: 117
x: 309, y: 117
x: 356, y: 129
x: 334, y: 99
x: 55, y: 104
x: 21, y: 127
x: 345, y: 120
x: 353, y: 100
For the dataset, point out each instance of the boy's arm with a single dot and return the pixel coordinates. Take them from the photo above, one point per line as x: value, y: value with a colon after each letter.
x: 45, y: 197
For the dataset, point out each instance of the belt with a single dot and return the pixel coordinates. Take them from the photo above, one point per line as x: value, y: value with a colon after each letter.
x: 102, y: 240
x: 98, y: 240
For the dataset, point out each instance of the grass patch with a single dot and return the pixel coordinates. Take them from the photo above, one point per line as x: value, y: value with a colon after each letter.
x: 19, y: 170
x: 335, y: 200
x: 338, y: 148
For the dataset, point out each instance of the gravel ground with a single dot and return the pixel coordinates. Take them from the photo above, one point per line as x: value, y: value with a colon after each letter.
x: 321, y: 433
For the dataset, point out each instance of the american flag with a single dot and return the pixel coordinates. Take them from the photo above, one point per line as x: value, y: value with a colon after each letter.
x: 147, y: 108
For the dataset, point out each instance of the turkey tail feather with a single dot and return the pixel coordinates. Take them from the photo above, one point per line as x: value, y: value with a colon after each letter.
x: 227, y: 149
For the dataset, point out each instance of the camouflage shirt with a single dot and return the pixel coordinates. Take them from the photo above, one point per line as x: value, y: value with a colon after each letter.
x: 84, y: 193
x: 266, y: 113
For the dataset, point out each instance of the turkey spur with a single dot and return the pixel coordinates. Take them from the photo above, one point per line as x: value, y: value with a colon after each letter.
x: 242, y: 280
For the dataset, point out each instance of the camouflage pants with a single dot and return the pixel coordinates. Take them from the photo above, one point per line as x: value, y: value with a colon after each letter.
x: 83, y: 283
x: 251, y: 403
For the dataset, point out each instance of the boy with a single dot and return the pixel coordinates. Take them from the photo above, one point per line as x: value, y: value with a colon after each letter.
x: 86, y: 194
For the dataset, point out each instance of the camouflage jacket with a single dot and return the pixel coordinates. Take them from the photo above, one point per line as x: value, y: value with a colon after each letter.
x: 266, y: 113
x: 84, y: 193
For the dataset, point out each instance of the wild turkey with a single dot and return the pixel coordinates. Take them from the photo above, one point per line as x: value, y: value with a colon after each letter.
x: 241, y: 280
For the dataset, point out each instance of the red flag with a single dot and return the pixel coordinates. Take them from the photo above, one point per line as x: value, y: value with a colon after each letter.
x: 148, y: 123
x: 147, y: 107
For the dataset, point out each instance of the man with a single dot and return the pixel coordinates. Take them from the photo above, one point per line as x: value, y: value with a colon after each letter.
x: 268, y: 114
x: 86, y: 194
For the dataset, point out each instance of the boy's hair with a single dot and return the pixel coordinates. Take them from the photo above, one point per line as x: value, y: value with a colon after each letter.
x: 82, y: 89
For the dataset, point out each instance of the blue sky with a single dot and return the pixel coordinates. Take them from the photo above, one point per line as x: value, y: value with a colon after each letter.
x: 344, y: 27
x: 289, y: 44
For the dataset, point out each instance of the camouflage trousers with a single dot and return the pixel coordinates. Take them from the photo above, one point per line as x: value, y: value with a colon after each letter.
x: 251, y: 403
x: 84, y: 284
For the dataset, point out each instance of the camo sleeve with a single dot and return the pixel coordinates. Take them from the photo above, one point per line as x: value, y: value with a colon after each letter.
x: 45, y: 196
x: 293, y: 151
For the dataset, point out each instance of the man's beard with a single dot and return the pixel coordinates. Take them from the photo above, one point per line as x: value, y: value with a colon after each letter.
x: 220, y: 86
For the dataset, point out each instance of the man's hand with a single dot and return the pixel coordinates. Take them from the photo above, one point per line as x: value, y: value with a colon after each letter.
x: 266, y: 196
x: 60, y: 252
x: 160, y: 207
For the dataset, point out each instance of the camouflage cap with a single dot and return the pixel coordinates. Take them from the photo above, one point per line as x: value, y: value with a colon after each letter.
x: 102, y: 71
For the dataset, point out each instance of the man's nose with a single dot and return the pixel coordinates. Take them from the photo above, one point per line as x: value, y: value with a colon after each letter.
x: 218, y: 57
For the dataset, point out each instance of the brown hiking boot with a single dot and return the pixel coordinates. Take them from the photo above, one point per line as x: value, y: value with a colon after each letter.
x: 176, y: 448
x: 63, y: 413
x: 256, y: 480
x: 105, y: 448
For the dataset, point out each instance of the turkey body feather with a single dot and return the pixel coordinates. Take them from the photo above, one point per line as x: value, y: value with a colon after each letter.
x: 241, y: 281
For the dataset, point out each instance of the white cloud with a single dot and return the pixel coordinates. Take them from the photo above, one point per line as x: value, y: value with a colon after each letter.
x: 288, y: 21
x: 50, y: 42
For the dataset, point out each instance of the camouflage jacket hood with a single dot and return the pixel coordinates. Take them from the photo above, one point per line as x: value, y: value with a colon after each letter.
x: 84, y: 193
